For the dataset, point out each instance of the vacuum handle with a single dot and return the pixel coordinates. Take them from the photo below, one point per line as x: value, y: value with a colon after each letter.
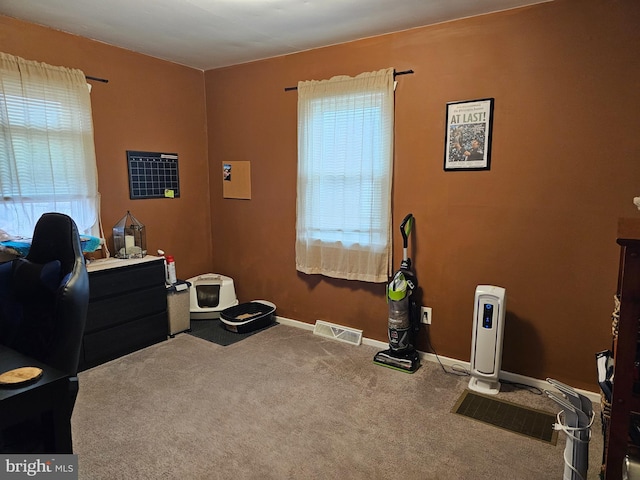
x: 405, y: 229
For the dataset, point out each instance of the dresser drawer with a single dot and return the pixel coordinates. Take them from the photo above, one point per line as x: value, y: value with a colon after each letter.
x: 105, y: 345
x: 111, y: 311
x: 114, y: 281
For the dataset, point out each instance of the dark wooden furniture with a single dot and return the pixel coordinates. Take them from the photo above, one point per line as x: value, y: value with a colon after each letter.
x: 49, y: 395
x: 625, y: 403
x: 127, y: 308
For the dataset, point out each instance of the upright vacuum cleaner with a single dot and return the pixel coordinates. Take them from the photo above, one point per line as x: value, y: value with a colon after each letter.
x: 404, y: 313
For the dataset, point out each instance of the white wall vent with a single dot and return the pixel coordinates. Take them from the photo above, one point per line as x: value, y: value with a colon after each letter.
x: 338, y: 332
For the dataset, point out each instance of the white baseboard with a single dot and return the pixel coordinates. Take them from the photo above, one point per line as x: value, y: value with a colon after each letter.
x: 453, y: 362
x: 294, y: 323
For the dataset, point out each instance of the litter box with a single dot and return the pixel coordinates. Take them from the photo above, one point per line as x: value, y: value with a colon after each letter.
x: 209, y: 295
x: 247, y: 317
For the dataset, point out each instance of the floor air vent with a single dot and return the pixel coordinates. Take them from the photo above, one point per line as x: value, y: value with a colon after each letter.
x: 338, y: 332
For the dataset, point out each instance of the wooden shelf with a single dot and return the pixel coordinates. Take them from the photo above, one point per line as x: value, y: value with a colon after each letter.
x: 625, y: 350
x: 629, y: 228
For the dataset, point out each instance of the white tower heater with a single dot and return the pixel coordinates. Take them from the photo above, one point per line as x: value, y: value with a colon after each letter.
x: 486, y: 343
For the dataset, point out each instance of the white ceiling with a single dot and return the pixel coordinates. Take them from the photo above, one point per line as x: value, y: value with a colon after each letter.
x: 207, y: 34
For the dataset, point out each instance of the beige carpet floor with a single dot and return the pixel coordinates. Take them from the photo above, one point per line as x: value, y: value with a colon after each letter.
x: 286, y: 404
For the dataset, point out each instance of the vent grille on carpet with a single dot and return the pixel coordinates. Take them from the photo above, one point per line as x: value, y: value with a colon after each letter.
x: 338, y: 332
x: 519, y: 419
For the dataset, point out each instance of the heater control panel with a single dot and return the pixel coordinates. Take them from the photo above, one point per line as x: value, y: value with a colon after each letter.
x: 487, y: 315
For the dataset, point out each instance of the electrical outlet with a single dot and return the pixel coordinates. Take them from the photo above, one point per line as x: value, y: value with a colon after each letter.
x: 425, y: 315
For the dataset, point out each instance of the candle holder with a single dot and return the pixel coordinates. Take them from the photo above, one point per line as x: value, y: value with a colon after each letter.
x: 129, y: 238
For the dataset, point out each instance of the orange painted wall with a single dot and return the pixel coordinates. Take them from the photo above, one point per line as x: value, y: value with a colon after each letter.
x: 541, y: 223
x: 148, y: 105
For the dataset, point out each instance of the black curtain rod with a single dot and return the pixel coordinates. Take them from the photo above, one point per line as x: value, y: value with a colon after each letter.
x: 395, y: 74
x: 96, y: 79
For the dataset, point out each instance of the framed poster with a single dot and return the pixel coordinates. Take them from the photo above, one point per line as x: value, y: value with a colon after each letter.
x: 467, y: 143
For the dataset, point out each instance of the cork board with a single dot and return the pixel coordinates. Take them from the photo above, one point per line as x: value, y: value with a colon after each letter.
x: 236, y: 180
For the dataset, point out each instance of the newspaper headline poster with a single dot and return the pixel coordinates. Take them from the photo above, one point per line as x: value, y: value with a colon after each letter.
x: 468, y: 135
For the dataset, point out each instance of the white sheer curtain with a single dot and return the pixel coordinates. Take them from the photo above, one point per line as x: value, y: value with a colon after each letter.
x: 47, y: 154
x: 345, y: 160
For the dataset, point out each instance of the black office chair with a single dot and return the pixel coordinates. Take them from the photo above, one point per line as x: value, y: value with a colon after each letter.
x: 49, y: 293
x: 44, y: 298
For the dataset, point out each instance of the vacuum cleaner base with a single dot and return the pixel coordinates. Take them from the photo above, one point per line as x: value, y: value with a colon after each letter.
x: 407, y: 361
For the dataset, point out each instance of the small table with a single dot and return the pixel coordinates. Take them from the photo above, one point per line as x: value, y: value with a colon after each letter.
x: 49, y: 394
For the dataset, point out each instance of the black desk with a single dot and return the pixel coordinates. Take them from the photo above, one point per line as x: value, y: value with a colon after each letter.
x: 49, y: 395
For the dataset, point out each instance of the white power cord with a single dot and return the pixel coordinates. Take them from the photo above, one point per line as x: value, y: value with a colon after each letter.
x: 569, y: 432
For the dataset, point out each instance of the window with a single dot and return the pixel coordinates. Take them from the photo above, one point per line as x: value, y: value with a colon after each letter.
x: 345, y: 153
x: 47, y: 157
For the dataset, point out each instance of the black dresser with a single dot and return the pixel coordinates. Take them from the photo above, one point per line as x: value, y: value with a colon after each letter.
x: 127, y: 308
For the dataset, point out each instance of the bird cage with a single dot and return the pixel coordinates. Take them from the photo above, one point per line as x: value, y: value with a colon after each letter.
x: 129, y: 238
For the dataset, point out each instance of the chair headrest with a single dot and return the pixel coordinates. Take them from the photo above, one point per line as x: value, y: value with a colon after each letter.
x: 55, y: 237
